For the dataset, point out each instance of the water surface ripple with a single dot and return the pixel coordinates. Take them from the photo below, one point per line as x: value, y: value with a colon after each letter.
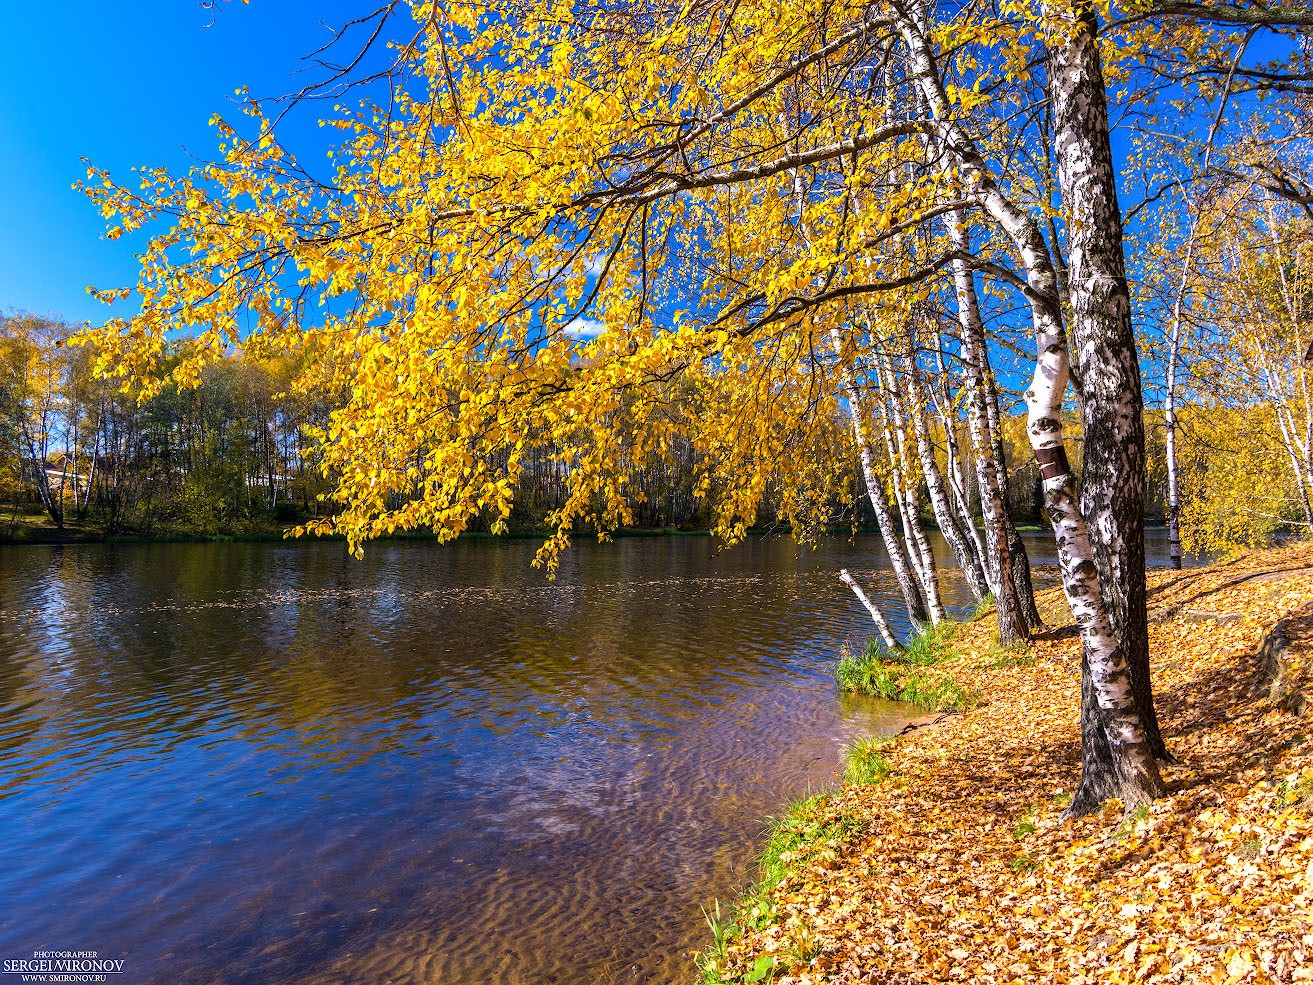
x: 268, y: 763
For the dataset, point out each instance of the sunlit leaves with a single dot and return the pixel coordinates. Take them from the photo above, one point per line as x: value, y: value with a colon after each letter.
x: 955, y: 864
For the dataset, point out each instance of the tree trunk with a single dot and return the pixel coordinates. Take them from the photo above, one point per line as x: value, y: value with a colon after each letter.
x: 1133, y: 771
x: 1174, y: 336
x: 1113, y: 479
x: 918, y: 547
x: 1116, y: 758
x: 1012, y: 626
x: 958, y: 487
x: 51, y: 499
x: 944, y: 515
x: 1020, y: 559
x: 1173, y: 479
x: 1008, y: 558
x: 1025, y: 588
x: 877, y: 616
x: 916, y: 610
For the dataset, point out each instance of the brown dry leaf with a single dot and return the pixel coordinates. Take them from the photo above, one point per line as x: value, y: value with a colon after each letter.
x: 935, y: 881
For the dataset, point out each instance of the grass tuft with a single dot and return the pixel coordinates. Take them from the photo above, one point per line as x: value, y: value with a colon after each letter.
x: 1024, y: 863
x: 868, y: 761
x: 928, y: 647
x: 807, y: 827
x: 982, y: 608
x: 906, y: 675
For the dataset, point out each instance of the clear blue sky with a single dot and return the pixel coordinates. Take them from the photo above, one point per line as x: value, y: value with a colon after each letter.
x: 123, y: 84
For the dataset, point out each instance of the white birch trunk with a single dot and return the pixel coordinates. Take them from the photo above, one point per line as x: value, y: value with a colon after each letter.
x: 1297, y: 451
x: 916, y: 610
x: 877, y: 617
x: 1011, y: 626
x: 899, y: 482
x: 1300, y: 452
x: 1135, y: 771
x: 916, y: 607
x: 1112, y: 401
x: 917, y: 543
x: 944, y: 515
x: 1174, y: 332
x: 958, y: 486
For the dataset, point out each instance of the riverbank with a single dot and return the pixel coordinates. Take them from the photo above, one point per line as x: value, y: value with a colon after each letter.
x: 40, y: 530
x: 32, y: 529
x: 951, y: 861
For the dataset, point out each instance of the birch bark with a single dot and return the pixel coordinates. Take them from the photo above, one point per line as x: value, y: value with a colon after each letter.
x: 1129, y: 769
x: 944, y: 515
x: 1012, y: 627
x: 916, y: 609
x: 918, y: 547
x: 900, y: 561
x: 958, y: 487
x: 1113, y: 479
x: 1174, y: 333
x: 1021, y: 580
x: 1284, y: 402
x: 897, y: 469
x: 881, y: 624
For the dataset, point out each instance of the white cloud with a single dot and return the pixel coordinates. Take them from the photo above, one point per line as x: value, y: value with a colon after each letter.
x: 584, y: 328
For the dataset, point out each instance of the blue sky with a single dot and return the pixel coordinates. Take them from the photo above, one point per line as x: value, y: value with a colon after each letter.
x: 123, y: 84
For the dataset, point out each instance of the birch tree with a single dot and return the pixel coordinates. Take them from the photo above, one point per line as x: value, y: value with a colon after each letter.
x: 1257, y: 378
x: 36, y: 371
x: 535, y: 165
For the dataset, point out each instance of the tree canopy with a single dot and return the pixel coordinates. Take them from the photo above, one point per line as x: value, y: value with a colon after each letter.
x: 609, y: 229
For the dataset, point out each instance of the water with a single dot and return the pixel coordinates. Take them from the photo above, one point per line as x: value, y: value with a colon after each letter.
x: 268, y: 763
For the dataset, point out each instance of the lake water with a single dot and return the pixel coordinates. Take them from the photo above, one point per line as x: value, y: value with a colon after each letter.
x: 269, y: 763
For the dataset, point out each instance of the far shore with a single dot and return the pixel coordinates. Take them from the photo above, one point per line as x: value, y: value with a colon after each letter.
x: 32, y: 530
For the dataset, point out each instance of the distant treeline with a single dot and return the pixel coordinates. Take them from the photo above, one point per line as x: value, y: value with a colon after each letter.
x: 236, y: 455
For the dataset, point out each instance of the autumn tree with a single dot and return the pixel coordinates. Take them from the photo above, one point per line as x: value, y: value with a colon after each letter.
x: 730, y: 192
x: 1251, y: 460
x: 42, y: 419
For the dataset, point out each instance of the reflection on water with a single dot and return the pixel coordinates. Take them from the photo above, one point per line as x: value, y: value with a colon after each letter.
x: 271, y: 763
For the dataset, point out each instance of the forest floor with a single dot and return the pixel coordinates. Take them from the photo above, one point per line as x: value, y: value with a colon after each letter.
x: 955, y: 864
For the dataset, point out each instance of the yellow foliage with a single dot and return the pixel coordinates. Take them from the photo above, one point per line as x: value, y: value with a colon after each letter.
x: 931, y: 875
x: 504, y: 246
x: 1236, y: 490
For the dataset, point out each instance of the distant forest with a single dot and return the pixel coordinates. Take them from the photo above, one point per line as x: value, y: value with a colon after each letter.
x: 236, y: 455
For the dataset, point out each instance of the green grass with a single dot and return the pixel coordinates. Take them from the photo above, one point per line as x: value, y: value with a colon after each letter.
x: 1026, y: 823
x: 713, y: 960
x: 1024, y: 863
x: 1002, y: 656
x: 867, y: 761
x: 1295, y: 791
x: 905, y: 675
x: 932, y: 645
x: 982, y: 608
x: 808, y: 825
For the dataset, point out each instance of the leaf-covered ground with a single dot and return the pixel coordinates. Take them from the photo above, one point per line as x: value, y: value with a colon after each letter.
x: 956, y: 865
